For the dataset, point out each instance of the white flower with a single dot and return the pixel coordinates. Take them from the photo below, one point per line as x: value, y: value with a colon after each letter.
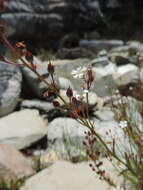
x: 123, y: 124
x: 131, y: 88
x: 82, y: 95
x: 118, y: 188
x: 78, y: 96
x: 85, y: 92
x: 79, y: 72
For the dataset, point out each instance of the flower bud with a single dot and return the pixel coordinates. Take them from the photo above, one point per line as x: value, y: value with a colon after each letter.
x: 51, y: 69
x: 74, y: 100
x: 90, y: 75
x: 69, y: 92
x: 56, y: 104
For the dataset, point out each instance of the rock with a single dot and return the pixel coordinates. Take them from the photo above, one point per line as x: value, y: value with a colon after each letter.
x: 96, y: 45
x: 10, y: 87
x: 100, y: 61
x: 64, y: 175
x: 109, y: 130
x: 103, y: 77
x: 126, y: 74
x: 102, y: 53
x: 105, y: 86
x: 103, y: 71
x: 64, y: 83
x: 93, y: 35
x: 46, y: 109
x: 13, y: 164
x: 38, y: 153
x: 38, y: 87
x: 22, y: 129
x: 93, y: 98
x: 35, y: 15
x: 117, y: 57
x: 134, y: 47
x: 120, y: 49
x: 65, y: 136
x: 120, y: 60
x: 54, y: 113
x: 69, y: 41
x: 62, y: 16
x: 122, y: 143
x: 113, y: 4
x: 105, y: 114
x: 133, y: 112
x: 141, y: 75
x: 74, y: 53
x: 48, y: 158
x: 37, y: 104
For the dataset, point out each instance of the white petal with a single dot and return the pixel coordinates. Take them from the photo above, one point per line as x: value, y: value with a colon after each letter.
x: 86, y: 91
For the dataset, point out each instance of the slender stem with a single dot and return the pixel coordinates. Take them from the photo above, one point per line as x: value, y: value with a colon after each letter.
x: 111, y: 153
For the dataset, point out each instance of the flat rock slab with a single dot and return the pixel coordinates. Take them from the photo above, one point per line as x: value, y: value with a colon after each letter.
x: 23, y: 128
x: 13, y: 163
x: 68, y: 176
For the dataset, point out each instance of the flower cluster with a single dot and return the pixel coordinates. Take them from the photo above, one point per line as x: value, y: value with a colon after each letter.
x: 79, y: 72
x: 82, y: 96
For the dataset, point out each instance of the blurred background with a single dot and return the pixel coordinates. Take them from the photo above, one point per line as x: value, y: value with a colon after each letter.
x: 51, y: 24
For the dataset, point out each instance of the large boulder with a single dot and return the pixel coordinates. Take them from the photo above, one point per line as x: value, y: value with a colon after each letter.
x: 13, y: 164
x: 65, y: 135
x: 65, y: 175
x: 37, y: 104
x: 22, y: 129
x: 10, y: 87
x: 126, y: 74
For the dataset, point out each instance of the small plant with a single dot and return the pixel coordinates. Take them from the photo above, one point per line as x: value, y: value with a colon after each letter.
x: 127, y: 156
x: 37, y: 163
x: 11, y: 185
